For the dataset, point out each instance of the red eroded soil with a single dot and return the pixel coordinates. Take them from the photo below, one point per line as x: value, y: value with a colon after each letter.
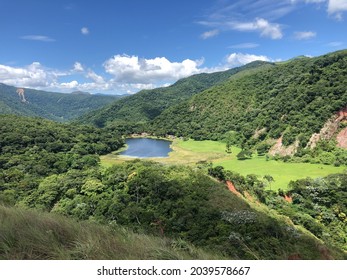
x: 232, y: 188
x: 342, y: 114
x: 288, y: 198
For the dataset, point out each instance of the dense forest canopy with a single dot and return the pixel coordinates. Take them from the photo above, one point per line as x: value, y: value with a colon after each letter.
x: 148, y: 104
x: 293, y: 99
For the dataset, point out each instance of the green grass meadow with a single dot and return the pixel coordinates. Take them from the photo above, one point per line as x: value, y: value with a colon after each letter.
x: 282, y: 172
x: 190, y: 152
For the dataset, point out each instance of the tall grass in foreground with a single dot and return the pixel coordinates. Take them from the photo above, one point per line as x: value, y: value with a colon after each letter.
x: 27, y: 234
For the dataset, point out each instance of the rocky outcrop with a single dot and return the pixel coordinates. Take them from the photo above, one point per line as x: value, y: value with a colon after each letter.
x: 341, y: 138
x: 279, y: 149
x: 330, y: 129
x: 259, y: 132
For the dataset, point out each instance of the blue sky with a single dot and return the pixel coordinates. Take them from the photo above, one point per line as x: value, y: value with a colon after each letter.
x: 123, y: 46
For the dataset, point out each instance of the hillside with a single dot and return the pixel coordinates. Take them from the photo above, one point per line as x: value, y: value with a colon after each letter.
x: 55, y: 168
x: 287, y: 103
x: 28, y: 234
x: 148, y: 104
x: 50, y: 105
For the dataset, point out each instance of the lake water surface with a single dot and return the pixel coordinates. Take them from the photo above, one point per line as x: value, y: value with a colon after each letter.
x: 146, y: 148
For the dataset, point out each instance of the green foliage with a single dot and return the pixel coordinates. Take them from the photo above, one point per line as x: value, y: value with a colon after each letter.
x: 294, y: 99
x: 148, y: 104
x: 34, y: 151
x: 320, y: 206
x: 176, y: 202
x: 244, y: 154
x: 50, y: 105
x: 28, y: 234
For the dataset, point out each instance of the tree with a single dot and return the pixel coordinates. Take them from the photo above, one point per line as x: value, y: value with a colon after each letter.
x: 244, y: 154
x: 269, y: 179
x: 228, y: 147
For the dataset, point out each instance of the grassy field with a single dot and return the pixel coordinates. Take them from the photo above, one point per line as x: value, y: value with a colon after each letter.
x: 190, y: 152
x: 282, y: 172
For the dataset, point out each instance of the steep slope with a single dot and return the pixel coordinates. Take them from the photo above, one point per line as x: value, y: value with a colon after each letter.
x: 49, y: 105
x: 148, y: 104
x: 289, y: 101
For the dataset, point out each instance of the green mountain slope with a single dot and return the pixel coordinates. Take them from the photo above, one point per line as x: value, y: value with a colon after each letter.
x: 55, y: 168
x: 292, y: 99
x: 148, y: 104
x: 50, y: 105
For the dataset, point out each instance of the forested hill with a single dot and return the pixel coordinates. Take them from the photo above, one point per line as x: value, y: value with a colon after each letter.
x: 148, y: 104
x: 292, y: 99
x: 50, y: 105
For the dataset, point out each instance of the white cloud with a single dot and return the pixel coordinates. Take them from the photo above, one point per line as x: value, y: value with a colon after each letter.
x: 85, y: 30
x: 334, y: 7
x: 69, y: 85
x: 32, y: 75
x: 129, y: 74
x: 95, y: 77
x: 238, y: 59
x: 210, y: 34
x: 304, y: 35
x: 337, y: 7
x: 37, y: 38
x: 244, y: 46
x: 132, y: 69
x: 266, y: 29
x: 78, y: 67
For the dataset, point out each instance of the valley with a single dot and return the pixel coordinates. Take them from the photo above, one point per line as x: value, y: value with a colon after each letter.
x: 273, y: 133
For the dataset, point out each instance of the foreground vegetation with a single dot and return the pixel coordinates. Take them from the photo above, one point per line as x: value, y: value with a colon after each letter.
x: 28, y: 234
x: 177, y: 202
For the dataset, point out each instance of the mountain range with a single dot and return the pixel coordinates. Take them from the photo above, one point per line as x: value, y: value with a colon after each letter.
x: 55, y: 106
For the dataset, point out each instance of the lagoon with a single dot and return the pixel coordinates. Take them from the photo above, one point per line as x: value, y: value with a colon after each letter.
x: 146, y: 148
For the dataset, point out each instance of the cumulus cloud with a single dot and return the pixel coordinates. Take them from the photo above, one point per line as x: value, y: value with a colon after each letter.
x: 264, y: 27
x: 209, y: 34
x: 37, y: 38
x: 132, y: 69
x: 85, y: 30
x: 69, y: 85
x: 304, y: 35
x: 122, y: 73
x: 238, y: 59
x: 128, y: 74
x: 33, y: 75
